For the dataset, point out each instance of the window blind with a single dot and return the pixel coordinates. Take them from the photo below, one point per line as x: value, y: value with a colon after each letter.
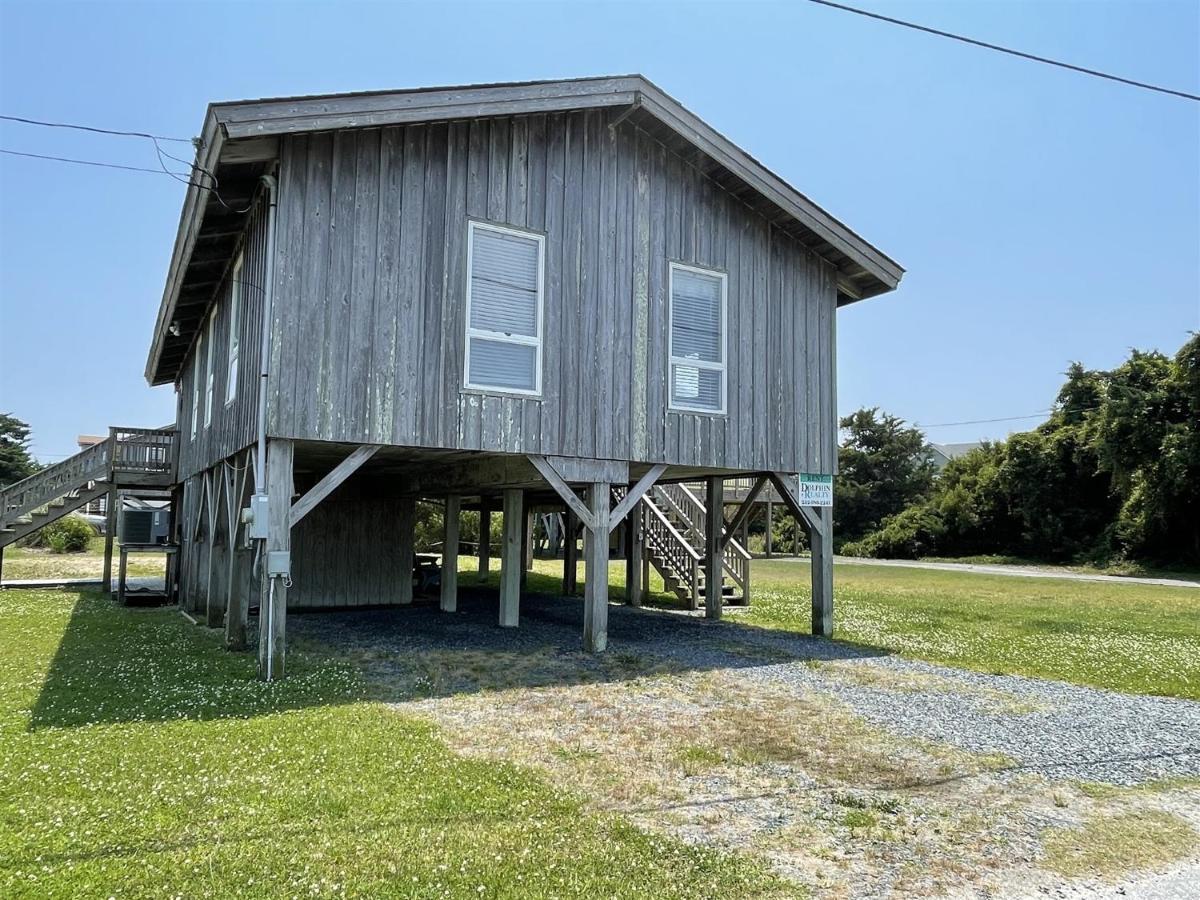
x: 697, y: 372
x: 505, y: 310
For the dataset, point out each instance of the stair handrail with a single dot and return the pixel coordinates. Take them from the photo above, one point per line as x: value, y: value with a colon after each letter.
x: 664, y: 538
x: 90, y: 464
x: 701, y: 510
x: 736, y: 559
x: 673, y: 531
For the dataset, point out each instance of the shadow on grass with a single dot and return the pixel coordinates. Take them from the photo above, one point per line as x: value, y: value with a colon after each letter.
x: 125, y: 665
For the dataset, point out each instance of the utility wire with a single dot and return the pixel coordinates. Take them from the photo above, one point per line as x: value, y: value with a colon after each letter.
x: 90, y: 162
x: 1011, y: 52
x: 983, y: 421
x: 162, y: 154
x: 141, y: 134
x: 1036, y: 415
x: 162, y: 170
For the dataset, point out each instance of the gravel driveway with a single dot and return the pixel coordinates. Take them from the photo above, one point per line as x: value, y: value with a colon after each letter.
x: 857, y: 773
x: 1062, y: 730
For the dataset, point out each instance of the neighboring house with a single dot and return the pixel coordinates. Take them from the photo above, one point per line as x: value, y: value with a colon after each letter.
x: 492, y: 297
x: 941, y: 454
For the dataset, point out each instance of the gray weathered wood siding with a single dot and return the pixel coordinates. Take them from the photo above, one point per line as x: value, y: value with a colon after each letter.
x: 234, y: 426
x: 368, y: 331
x: 361, y: 567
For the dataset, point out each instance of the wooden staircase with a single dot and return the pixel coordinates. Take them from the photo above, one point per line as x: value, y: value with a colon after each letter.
x: 674, y: 520
x: 142, y: 457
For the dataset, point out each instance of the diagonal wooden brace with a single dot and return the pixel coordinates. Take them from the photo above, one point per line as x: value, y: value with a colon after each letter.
x: 330, y: 482
x: 565, y: 491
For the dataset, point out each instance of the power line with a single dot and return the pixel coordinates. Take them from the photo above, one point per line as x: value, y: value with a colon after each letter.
x: 1036, y: 415
x: 94, y: 130
x: 162, y: 170
x: 153, y: 138
x: 89, y: 162
x: 1011, y: 52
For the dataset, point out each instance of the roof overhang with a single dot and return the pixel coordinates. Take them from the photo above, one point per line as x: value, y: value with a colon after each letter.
x: 239, y: 144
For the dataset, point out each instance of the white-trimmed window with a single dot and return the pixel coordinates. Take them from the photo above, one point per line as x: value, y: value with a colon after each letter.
x: 697, y: 339
x: 196, y: 385
x: 235, y: 335
x: 505, y: 294
x: 210, y: 377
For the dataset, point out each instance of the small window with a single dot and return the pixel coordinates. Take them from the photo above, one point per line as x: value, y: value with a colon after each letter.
x: 196, y: 385
x: 235, y: 336
x: 697, y: 328
x: 210, y: 378
x: 504, y: 309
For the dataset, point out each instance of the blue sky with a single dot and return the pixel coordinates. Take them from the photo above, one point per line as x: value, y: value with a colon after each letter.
x: 1043, y: 216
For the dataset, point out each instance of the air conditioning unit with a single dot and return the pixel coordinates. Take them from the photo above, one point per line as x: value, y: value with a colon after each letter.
x: 144, y: 526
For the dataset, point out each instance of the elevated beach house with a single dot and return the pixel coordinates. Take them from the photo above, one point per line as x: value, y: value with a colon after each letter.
x: 570, y: 295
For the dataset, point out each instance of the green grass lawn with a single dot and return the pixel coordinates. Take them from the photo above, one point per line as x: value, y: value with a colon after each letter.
x: 24, y: 563
x: 1128, y: 637
x: 139, y: 759
x: 1136, y: 638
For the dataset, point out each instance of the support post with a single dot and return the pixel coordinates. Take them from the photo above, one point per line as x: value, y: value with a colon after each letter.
x: 714, y: 523
x: 110, y: 528
x: 526, y: 546
x: 510, y: 559
x: 595, y: 558
x: 240, y: 562
x: 406, y: 549
x: 214, y: 602
x: 272, y: 619
x: 121, y: 571
x: 450, y: 554
x: 635, y: 550
x: 822, y: 572
x: 485, y: 537
x: 819, y: 522
x: 570, y: 555
x: 770, y: 525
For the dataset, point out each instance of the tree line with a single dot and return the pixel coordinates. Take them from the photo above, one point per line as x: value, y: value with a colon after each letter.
x: 1113, y: 475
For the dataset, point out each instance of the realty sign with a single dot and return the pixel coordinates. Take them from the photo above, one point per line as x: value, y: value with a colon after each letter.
x: 816, y: 490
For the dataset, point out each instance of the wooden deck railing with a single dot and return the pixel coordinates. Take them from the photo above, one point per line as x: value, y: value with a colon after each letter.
x: 127, y: 451
x: 149, y: 450
x: 52, y: 482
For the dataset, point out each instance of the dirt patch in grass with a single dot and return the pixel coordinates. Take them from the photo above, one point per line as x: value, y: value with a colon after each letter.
x: 1107, y: 845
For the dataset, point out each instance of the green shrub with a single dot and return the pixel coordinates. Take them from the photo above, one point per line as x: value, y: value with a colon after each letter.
x: 910, y: 534
x: 70, y: 534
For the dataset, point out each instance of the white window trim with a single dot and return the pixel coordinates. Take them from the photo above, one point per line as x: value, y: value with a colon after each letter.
x: 234, y: 361
x: 501, y: 336
x: 672, y: 360
x: 210, y: 376
x: 196, y: 386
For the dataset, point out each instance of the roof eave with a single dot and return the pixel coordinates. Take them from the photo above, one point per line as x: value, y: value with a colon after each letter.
x: 190, y: 218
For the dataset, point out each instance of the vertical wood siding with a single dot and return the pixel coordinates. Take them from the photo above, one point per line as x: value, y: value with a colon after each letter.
x: 368, y: 331
x: 361, y: 567
x: 234, y: 425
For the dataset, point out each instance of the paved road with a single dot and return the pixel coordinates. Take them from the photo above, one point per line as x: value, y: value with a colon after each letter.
x: 1018, y: 571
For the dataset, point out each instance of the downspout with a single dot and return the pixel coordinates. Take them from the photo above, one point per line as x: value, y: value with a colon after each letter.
x: 266, y: 612
x: 264, y: 362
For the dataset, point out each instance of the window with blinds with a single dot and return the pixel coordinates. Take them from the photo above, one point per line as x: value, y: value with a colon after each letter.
x: 697, y: 339
x: 196, y: 385
x: 235, y: 336
x: 504, y: 309
x: 210, y: 377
